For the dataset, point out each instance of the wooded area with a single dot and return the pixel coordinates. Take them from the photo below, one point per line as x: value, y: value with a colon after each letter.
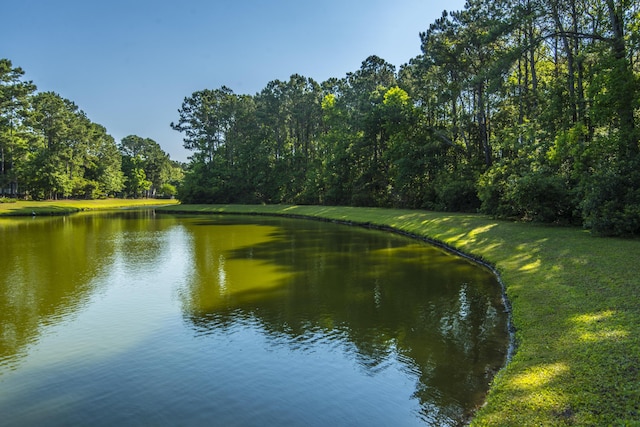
x: 49, y: 149
x: 518, y: 108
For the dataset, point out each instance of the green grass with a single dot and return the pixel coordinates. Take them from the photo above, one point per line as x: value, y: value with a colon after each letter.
x: 575, y: 309
x: 64, y: 207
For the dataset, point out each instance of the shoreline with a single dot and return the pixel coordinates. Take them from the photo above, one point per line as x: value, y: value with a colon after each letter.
x: 572, y: 296
x: 70, y: 206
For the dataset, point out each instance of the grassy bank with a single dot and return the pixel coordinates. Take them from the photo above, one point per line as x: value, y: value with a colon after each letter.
x: 64, y: 207
x: 575, y: 308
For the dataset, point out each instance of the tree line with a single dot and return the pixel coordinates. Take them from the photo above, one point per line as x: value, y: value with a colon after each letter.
x: 516, y: 108
x: 50, y: 149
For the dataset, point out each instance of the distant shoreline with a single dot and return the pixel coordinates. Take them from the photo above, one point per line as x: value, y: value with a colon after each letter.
x: 69, y: 206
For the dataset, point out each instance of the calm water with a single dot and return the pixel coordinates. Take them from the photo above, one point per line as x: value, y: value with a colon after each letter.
x: 132, y: 318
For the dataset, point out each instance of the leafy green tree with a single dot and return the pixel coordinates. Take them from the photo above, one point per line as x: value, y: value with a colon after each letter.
x: 412, y: 151
x: 103, y: 167
x: 335, y: 171
x: 289, y: 115
x: 251, y: 179
x: 55, y: 121
x: 50, y: 147
x: 205, y: 118
x: 14, y: 105
x: 168, y: 190
x: 362, y: 99
x: 174, y: 173
x: 136, y: 182
x: 155, y: 163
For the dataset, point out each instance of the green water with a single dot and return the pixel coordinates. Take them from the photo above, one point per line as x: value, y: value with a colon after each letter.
x: 132, y: 318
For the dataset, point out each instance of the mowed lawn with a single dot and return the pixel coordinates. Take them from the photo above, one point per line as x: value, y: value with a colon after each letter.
x: 63, y: 207
x: 575, y: 307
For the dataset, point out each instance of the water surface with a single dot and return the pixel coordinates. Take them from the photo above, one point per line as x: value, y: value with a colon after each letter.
x: 132, y: 318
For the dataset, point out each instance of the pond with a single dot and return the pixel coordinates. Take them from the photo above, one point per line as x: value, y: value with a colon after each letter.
x: 136, y: 318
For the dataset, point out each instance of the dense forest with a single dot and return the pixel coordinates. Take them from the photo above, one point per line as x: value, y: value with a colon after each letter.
x: 49, y: 149
x: 517, y: 108
x: 522, y: 109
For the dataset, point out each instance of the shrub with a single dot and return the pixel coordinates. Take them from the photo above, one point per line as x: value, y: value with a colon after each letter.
x: 458, y: 195
x: 534, y: 195
x: 168, y: 190
x: 492, y: 187
x: 611, y: 206
x: 541, y: 196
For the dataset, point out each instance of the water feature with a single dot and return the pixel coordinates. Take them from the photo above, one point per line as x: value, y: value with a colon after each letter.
x: 133, y: 318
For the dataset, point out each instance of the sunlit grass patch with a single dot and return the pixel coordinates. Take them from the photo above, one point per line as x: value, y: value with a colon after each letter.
x: 63, y: 207
x: 539, y: 376
x: 595, y: 327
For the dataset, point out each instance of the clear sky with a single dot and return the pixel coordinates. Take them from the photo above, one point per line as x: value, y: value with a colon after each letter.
x: 130, y: 63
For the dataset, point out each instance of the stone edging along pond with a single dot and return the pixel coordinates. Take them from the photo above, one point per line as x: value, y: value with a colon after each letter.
x: 574, y: 302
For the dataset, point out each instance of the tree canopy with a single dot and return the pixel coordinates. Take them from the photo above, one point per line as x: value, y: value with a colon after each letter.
x: 524, y: 109
x: 518, y: 108
x: 50, y: 149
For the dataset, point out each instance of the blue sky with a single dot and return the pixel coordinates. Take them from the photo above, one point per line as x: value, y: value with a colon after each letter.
x: 129, y: 64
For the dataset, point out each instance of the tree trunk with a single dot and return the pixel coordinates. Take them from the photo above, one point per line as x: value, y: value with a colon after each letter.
x: 580, y: 103
x: 483, y: 134
x: 570, y: 60
x: 623, y: 82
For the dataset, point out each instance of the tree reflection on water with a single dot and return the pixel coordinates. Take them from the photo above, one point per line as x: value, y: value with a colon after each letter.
x: 382, y: 299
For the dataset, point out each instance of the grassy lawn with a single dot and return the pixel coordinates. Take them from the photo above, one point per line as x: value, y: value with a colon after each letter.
x: 575, y: 309
x: 63, y: 207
